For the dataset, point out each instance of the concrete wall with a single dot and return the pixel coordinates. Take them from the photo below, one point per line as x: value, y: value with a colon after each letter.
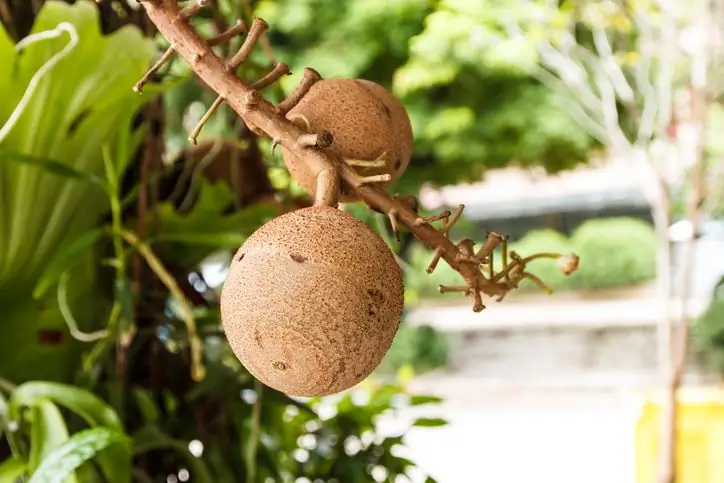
x: 596, y: 351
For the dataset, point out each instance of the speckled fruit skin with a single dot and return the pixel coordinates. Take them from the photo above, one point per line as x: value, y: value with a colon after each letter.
x: 312, y: 302
x: 365, y: 120
x: 401, y: 127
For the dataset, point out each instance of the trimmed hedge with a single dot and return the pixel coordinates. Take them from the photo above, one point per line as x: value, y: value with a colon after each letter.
x: 421, y: 346
x: 708, y: 336
x: 614, y: 252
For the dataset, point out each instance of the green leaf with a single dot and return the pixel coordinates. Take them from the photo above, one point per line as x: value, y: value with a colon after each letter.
x: 220, y: 240
x: 146, y: 404
x: 51, y: 166
x: 420, y: 400
x: 64, y: 260
x: 80, y: 448
x: 47, y: 432
x: 11, y: 469
x: 88, y: 406
x: 382, y: 397
x: 116, y: 464
x: 189, y: 237
x: 151, y: 438
x: 429, y: 422
x: 405, y: 374
x: 81, y: 100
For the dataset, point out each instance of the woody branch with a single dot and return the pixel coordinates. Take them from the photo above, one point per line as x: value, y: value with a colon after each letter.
x: 269, y: 119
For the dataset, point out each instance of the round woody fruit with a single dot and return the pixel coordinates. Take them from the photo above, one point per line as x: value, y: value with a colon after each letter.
x: 312, y: 302
x: 367, y: 123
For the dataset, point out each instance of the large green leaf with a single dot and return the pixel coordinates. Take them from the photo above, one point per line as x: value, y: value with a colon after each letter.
x: 35, y: 343
x: 80, y: 448
x: 65, y: 95
x: 48, y: 431
x: 192, y: 236
x: 87, y: 405
x: 114, y: 462
x: 66, y: 258
x: 11, y: 469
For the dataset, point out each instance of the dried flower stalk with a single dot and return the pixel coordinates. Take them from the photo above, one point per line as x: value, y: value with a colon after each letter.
x: 331, y: 171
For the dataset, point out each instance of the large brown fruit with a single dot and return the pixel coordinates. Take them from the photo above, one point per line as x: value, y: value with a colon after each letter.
x: 312, y: 302
x: 366, y: 122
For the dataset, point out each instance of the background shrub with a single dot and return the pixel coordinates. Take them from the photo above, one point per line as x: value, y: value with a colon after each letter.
x: 422, y: 347
x: 614, y: 252
x: 708, y: 336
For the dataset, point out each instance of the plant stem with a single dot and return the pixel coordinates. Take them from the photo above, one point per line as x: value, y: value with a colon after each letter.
x: 197, y: 369
x: 254, y: 432
x: 123, y: 334
x: 68, y: 317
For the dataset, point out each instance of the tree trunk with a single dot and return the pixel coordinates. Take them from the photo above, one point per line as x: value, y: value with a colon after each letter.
x: 667, y: 450
x: 656, y: 190
x: 695, y: 182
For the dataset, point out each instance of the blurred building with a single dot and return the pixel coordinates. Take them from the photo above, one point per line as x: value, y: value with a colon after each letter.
x: 515, y: 201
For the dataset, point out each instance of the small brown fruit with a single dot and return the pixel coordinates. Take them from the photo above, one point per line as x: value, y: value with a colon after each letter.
x: 366, y: 121
x: 312, y: 302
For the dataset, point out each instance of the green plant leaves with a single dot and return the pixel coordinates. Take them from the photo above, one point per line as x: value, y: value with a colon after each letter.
x: 50, y: 166
x: 115, y: 464
x: 50, y: 170
x: 11, y: 469
x: 429, y: 422
x: 80, y: 448
x: 146, y: 405
x: 48, y: 431
x: 66, y: 258
x: 79, y: 104
x: 420, y: 400
x: 188, y: 238
x: 88, y: 406
x: 614, y: 252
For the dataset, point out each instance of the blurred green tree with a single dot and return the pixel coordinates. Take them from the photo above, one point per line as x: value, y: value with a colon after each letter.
x: 471, y: 99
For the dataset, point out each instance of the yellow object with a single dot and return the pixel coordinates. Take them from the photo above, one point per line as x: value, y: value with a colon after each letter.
x: 700, y: 433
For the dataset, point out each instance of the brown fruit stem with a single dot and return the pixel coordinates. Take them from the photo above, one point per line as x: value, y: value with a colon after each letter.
x: 309, y: 77
x: 264, y: 117
x: 228, y: 34
x: 280, y: 69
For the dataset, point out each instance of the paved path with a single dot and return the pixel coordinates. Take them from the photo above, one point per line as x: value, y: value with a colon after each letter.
x: 544, y: 313
x: 534, y: 438
x: 562, y: 431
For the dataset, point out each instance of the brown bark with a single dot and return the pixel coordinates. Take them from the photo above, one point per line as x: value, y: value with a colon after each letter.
x: 679, y: 332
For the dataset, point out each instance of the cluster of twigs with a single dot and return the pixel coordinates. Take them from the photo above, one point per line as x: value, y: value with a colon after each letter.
x: 332, y: 172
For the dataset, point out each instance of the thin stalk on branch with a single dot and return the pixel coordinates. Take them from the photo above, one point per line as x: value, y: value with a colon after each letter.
x: 198, y: 372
